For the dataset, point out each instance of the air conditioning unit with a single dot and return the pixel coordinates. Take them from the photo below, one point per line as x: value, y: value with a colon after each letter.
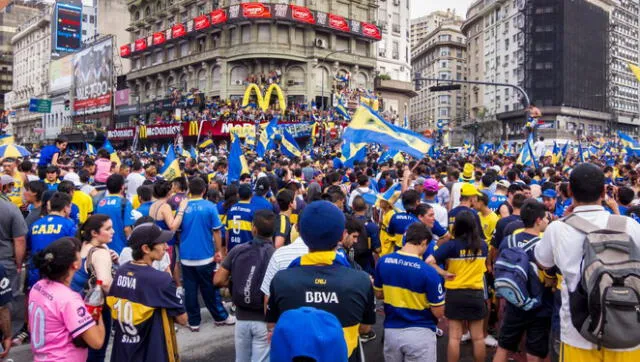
x: 291, y: 82
x: 238, y: 82
x: 321, y: 43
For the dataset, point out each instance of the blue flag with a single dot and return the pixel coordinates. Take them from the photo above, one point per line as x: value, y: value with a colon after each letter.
x: 289, y: 146
x: 237, y: 162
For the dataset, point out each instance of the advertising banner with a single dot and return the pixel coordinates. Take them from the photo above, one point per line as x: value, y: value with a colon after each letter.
x: 67, y: 27
x: 122, y: 97
x: 60, y: 74
x: 93, y: 78
x: 146, y: 132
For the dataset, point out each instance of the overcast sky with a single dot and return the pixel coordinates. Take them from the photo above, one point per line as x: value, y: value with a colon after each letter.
x: 424, y: 7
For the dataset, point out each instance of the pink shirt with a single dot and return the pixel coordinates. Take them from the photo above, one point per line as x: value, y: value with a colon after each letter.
x: 57, y: 315
x: 103, y: 168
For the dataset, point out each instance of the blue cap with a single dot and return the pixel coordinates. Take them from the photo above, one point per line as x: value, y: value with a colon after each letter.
x: 308, y: 332
x: 321, y: 225
x: 549, y: 193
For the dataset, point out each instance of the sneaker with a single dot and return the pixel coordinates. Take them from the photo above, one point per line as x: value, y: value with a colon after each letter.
x: 194, y: 328
x: 466, y: 337
x: 229, y: 307
x: 439, y: 332
x: 231, y: 320
x: 22, y: 337
x: 369, y: 336
x: 490, y: 341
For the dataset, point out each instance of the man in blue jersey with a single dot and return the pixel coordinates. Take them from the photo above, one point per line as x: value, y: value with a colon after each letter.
x: 119, y: 210
x: 200, y: 245
x: 49, y: 155
x: 50, y: 228
x: 145, y: 331
x: 500, y: 196
x: 468, y: 198
x: 400, y: 221
x: 259, y: 201
x: 413, y: 299
x: 239, y: 218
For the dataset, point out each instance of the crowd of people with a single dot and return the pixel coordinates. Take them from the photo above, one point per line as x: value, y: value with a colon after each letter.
x: 302, y: 253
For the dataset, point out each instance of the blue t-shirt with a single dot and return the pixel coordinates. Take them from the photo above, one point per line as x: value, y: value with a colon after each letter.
x: 73, y: 215
x: 42, y: 233
x: 455, y: 211
x: 46, y: 155
x: 120, y: 216
x: 196, y: 238
x: 260, y: 203
x: 410, y: 288
x: 239, y: 223
x: 144, y: 208
x: 52, y: 186
x: 495, y: 201
x: 398, y: 225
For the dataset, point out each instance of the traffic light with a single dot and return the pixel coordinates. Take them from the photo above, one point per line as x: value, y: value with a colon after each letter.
x: 67, y: 104
x: 444, y: 88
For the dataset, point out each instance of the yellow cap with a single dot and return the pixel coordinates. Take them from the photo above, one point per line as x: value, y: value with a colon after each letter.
x: 469, y: 190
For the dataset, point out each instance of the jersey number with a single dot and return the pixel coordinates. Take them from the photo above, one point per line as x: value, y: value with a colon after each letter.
x: 125, y: 317
x: 236, y: 224
x: 37, y: 326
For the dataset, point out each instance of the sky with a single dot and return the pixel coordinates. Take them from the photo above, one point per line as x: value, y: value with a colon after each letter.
x: 424, y: 7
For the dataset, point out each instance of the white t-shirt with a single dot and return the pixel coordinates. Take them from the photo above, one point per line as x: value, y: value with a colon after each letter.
x: 561, y: 245
x: 134, y: 180
x: 539, y: 149
x: 161, y: 265
x: 455, y: 194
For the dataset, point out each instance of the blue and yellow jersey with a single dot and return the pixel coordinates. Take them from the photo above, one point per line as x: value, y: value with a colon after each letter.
x: 386, y: 241
x: 488, y: 224
x: 469, y: 268
x: 15, y: 195
x: 52, y: 186
x: 458, y: 209
x: 495, y: 201
x: 239, y: 224
x: 398, y: 225
x: 144, y: 301
x: 43, y: 232
x: 321, y: 280
x: 410, y: 288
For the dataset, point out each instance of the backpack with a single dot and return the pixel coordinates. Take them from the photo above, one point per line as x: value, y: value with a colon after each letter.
x: 248, y: 269
x: 605, y: 307
x: 516, y: 278
x: 363, y: 244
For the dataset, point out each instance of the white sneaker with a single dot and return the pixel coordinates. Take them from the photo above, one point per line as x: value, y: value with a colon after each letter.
x: 490, y: 341
x: 231, y: 320
x: 466, y: 337
x: 229, y: 307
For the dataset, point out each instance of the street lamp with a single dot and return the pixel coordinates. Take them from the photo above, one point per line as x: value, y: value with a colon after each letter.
x: 324, y: 60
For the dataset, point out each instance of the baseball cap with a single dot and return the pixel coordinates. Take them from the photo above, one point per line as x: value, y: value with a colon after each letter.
x: 430, y: 185
x: 262, y: 186
x: 6, y: 179
x: 549, y: 193
x: 317, y: 173
x: 504, y: 183
x: 149, y: 233
x: 308, y: 332
x: 419, y: 181
x: 469, y: 190
x: 321, y: 225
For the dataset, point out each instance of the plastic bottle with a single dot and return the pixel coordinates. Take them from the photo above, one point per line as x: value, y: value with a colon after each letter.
x: 94, y: 300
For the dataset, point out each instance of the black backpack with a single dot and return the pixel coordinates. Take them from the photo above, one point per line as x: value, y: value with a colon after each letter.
x: 247, y: 272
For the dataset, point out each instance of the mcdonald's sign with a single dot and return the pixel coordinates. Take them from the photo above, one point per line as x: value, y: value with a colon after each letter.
x: 263, y: 101
x: 142, y: 132
x: 193, y: 128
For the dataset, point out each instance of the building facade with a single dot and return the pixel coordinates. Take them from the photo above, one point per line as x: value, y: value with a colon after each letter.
x: 12, y: 14
x: 394, y: 50
x: 440, y: 55
x: 425, y: 25
x: 182, y: 45
x: 624, y: 49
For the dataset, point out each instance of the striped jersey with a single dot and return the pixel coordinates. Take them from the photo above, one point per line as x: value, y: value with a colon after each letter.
x: 469, y: 268
x: 239, y: 224
x: 410, y: 288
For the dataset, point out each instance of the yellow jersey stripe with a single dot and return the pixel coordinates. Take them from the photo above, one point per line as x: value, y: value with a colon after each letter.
x: 239, y: 225
x: 283, y: 224
x: 404, y: 298
x: 170, y: 337
x: 140, y: 312
x: 318, y: 258
x: 351, y: 336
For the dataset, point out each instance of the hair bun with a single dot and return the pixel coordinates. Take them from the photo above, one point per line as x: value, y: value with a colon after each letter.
x: 48, y: 257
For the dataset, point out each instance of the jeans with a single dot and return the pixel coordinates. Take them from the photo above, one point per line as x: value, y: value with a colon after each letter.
x: 98, y: 355
x: 201, y: 277
x: 251, y: 341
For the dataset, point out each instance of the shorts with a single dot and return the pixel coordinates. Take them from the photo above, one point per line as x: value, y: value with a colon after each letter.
x: 465, y: 304
x: 537, y: 329
x: 570, y: 354
x: 410, y: 345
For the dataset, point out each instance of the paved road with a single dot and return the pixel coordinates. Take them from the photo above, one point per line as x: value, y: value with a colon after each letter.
x: 216, y: 343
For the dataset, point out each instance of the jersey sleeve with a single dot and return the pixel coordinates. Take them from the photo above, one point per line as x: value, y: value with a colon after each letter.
x: 168, y: 297
x: 391, y: 227
x: 434, y: 287
x: 281, y: 226
x: 215, y: 219
x: 76, y: 316
x: 438, y: 229
x: 377, y: 275
x: 444, y: 252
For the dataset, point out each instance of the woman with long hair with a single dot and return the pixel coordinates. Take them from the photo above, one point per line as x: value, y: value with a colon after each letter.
x: 96, y: 264
x: 60, y: 324
x: 464, y: 258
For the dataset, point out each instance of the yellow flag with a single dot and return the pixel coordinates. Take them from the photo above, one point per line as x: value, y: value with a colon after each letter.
x: 636, y: 70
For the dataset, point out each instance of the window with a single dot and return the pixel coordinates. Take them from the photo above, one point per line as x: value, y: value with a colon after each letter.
x: 184, y: 49
x: 444, y: 38
x: 171, y: 53
x: 445, y: 51
x: 92, y: 19
x: 396, y: 50
x: 443, y: 112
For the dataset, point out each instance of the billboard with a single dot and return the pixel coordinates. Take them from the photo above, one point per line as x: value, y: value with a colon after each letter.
x: 67, y: 27
x: 60, y: 74
x: 93, y: 78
